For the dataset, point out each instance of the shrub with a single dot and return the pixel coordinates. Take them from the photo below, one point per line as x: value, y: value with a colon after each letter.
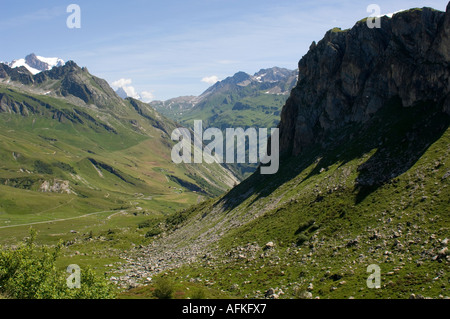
x: 301, y: 239
x: 65, y: 167
x: 153, y: 232
x: 42, y: 168
x: 144, y: 224
x: 198, y: 294
x: 164, y: 289
x: 29, y: 272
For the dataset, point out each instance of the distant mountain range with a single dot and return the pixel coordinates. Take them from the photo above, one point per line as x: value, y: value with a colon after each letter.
x: 36, y: 64
x: 241, y: 100
x: 263, y: 86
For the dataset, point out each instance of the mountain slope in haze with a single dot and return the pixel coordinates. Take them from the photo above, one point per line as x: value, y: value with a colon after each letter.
x: 364, y: 179
x: 69, y: 142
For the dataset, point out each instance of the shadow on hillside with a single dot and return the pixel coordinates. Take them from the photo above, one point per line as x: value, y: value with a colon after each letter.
x: 399, y: 135
x: 400, y: 152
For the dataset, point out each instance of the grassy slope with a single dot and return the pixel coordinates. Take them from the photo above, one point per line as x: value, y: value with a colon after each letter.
x: 129, y: 183
x: 261, y: 110
x: 328, y: 228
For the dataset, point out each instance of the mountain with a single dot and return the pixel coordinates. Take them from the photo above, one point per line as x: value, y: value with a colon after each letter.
x: 357, y: 78
x: 71, y: 146
x: 363, y: 179
x: 175, y: 104
x: 70, y: 82
x: 241, y: 100
x: 36, y: 64
x: 121, y: 92
x: 270, y: 81
x: 262, y: 93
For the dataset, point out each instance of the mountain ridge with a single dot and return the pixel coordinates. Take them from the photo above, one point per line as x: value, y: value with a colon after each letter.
x: 68, y: 81
x: 270, y: 76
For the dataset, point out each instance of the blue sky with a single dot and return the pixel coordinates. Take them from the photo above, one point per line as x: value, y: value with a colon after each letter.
x: 165, y: 48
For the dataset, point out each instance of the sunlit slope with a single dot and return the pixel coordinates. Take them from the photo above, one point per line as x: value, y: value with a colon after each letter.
x: 380, y: 196
x: 58, y: 158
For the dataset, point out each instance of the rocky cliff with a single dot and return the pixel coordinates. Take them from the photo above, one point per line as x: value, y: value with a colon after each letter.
x: 351, y: 74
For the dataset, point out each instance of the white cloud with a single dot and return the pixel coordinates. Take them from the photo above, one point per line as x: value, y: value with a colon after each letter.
x: 121, y: 83
x: 125, y: 85
x: 147, y: 96
x: 210, y: 79
x: 131, y: 92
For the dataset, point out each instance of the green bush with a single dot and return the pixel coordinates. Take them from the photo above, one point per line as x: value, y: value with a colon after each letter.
x: 198, y: 294
x: 153, y: 232
x: 144, y: 224
x: 65, y: 167
x: 29, y: 272
x: 301, y: 239
x: 42, y: 168
x: 164, y: 289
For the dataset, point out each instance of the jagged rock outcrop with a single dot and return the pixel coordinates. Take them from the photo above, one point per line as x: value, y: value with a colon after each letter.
x: 34, y: 62
x: 20, y: 74
x: 58, y: 186
x: 350, y: 74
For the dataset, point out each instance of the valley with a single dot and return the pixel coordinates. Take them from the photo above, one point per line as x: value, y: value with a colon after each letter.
x: 363, y: 178
x: 71, y: 169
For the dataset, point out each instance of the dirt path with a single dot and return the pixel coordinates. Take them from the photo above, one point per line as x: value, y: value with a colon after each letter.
x: 109, y: 217
x: 44, y: 211
x: 57, y: 220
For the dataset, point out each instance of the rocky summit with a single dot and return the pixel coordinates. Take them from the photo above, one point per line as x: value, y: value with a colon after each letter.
x: 351, y: 74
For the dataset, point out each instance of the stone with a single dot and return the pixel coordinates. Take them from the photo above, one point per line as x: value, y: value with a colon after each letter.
x: 443, y: 252
x: 307, y: 295
x: 269, y: 293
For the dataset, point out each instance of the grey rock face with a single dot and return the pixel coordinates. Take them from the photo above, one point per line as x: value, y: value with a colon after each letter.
x: 351, y: 74
x: 35, y: 63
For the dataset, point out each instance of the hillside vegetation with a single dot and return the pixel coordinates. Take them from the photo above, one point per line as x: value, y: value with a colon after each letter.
x: 364, y: 180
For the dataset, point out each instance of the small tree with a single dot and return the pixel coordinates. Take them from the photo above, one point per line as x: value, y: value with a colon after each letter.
x: 198, y: 293
x: 29, y: 272
x: 164, y: 289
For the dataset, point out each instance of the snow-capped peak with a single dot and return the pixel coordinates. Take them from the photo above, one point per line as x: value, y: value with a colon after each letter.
x: 36, y: 64
x: 52, y: 62
x: 21, y: 62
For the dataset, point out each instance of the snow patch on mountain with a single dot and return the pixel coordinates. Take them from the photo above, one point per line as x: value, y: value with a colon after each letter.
x: 22, y: 62
x: 36, y: 64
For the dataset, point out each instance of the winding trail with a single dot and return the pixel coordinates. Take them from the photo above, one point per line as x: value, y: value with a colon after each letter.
x: 57, y: 220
